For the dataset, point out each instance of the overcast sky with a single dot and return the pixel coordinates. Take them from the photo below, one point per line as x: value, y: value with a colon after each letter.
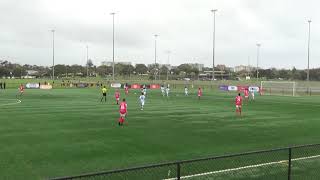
x: 184, y: 27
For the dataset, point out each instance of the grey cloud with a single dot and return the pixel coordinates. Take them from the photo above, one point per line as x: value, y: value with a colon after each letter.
x: 184, y: 26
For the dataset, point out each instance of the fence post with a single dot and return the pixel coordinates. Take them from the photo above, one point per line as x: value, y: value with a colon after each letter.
x: 310, y: 92
x: 289, y: 164
x: 270, y: 91
x: 178, y: 171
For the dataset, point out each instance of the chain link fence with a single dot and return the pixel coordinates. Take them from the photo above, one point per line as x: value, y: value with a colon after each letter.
x: 292, y: 163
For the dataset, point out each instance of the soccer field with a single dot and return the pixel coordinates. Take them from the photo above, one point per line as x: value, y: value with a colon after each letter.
x: 69, y: 131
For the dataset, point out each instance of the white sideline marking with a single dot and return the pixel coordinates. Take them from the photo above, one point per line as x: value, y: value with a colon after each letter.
x: 8, y: 104
x: 244, y: 167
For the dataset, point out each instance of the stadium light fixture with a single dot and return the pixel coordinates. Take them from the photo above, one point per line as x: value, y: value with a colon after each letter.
x: 214, y: 39
x: 113, y: 14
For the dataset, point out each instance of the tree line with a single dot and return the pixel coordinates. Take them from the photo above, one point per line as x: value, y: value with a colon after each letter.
x: 8, y: 69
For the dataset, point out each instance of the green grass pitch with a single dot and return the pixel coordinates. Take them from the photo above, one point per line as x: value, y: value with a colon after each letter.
x: 69, y: 131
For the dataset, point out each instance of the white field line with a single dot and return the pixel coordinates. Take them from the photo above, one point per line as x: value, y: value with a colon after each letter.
x: 244, y: 167
x: 8, y: 104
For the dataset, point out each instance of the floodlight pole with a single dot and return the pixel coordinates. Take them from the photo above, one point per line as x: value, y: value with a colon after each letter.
x: 155, y: 56
x: 112, y: 44
x: 53, y: 53
x: 214, y: 39
x: 87, y: 47
x: 248, y: 70
x: 258, y: 53
x: 308, y: 71
x: 168, y: 64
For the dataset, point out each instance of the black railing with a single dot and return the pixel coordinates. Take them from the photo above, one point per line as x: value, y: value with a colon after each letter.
x: 296, y: 162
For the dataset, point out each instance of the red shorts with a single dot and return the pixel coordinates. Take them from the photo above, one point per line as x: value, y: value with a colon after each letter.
x: 123, y: 113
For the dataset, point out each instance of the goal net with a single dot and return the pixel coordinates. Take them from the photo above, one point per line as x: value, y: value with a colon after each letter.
x: 285, y: 88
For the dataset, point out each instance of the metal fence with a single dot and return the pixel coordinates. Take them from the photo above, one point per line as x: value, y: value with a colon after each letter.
x: 292, y: 163
x: 299, y: 91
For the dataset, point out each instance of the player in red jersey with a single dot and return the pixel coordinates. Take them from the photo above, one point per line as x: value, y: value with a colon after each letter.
x: 126, y: 89
x: 21, y: 91
x: 238, y: 104
x: 117, y: 96
x: 123, y: 111
x: 199, y: 93
x: 246, y: 94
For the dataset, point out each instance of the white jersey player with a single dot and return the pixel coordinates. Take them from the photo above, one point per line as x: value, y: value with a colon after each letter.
x: 167, y: 91
x: 144, y: 91
x: 186, y: 91
x: 252, y: 94
x: 162, y: 90
x: 142, y: 99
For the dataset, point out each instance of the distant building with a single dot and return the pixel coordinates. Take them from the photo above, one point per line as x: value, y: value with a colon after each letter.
x: 124, y: 63
x: 110, y: 63
x: 243, y: 68
x: 230, y: 69
x: 106, y: 63
x: 31, y: 72
x: 221, y: 67
x: 196, y: 65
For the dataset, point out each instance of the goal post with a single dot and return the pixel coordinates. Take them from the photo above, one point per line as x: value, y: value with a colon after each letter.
x: 278, y: 87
